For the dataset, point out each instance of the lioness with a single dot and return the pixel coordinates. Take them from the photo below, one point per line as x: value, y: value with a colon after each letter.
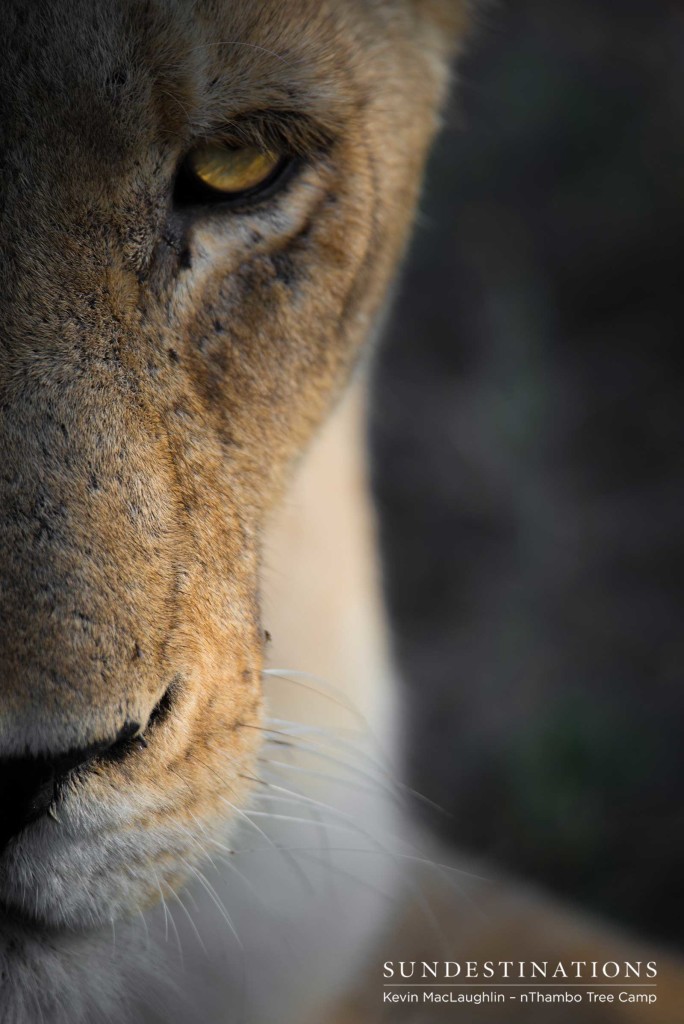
x: 203, y: 206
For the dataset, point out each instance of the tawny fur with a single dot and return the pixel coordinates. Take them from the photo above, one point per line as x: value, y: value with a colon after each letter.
x: 161, y: 373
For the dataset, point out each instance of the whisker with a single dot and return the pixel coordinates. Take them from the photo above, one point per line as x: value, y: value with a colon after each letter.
x: 166, y: 913
x: 395, y: 856
x: 226, y: 860
x: 293, y: 864
x: 293, y: 729
x: 208, y: 887
x: 168, y: 917
x: 384, y: 769
x: 325, y: 736
x: 369, y: 786
x: 383, y: 784
x: 309, y: 855
x: 299, y: 798
x: 302, y: 798
x: 185, y: 910
x: 178, y: 938
x: 147, y: 930
x: 246, y: 882
x: 299, y: 821
x: 307, y: 680
x: 414, y: 886
x: 242, y: 814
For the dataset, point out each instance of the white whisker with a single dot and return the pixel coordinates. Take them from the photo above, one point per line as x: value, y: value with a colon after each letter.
x: 299, y: 821
x: 293, y: 864
x: 168, y: 918
x: 292, y: 730
x: 314, y: 684
x: 208, y: 887
x: 187, y: 913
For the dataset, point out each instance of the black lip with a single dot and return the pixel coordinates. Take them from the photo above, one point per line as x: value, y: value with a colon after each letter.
x: 31, y: 786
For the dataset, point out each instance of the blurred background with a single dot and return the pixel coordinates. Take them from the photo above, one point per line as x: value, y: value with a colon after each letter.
x: 528, y: 445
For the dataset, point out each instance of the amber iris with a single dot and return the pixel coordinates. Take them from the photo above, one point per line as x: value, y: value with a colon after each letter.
x: 232, y: 171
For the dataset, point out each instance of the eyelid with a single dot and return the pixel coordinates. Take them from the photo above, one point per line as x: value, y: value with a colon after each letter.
x: 295, y: 137
x: 291, y: 133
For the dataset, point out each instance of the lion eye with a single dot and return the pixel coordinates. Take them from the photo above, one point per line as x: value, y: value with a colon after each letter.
x: 216, y: 172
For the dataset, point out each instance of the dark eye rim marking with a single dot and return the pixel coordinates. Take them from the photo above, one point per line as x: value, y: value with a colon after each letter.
x: 191, y: 193
x: 301, y: 139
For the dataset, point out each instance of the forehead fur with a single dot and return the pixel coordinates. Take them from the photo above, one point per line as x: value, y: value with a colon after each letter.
x: 100, y: 63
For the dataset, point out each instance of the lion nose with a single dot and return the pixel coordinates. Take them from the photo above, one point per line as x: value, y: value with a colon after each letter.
x: 30, y: 785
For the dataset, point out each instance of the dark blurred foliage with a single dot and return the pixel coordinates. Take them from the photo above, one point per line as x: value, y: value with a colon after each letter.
x: 528, y: 456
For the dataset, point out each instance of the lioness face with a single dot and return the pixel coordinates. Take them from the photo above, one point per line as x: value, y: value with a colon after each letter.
x: 202, y: 205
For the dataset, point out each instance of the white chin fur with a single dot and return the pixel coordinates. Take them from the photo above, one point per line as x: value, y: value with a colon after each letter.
x: 270, y: 930
x: 63, y: 874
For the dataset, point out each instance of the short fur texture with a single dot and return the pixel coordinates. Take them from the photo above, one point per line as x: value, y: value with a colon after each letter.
x: 161, y: 371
